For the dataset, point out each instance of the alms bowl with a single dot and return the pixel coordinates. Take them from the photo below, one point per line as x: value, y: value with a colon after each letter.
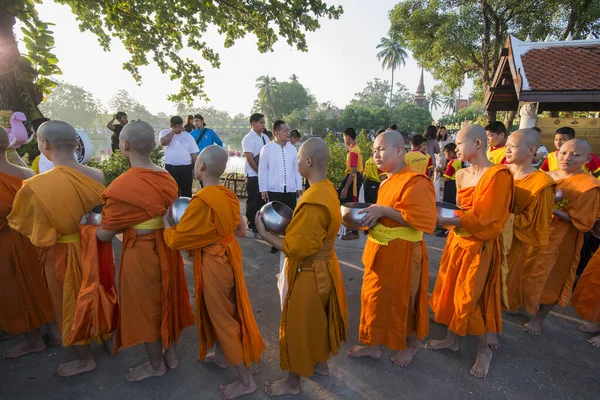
x: 95, y: 216
x: 276, y: 216
x: 177, y: 209
x: 559, y: 196
x: 448, y: 210
x: 350, y: 216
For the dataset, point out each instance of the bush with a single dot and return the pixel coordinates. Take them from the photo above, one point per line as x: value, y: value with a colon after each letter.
x: 115, y: 165
x: 337, y: 159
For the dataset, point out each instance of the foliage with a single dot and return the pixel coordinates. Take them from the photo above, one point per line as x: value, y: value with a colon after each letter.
x: 471, y: 113
x: 115, y: 165
x: 278, y: 99
x: 365, y: 145
x: 75, y: 105
x: 376, y: 95
x: 392, y: 56
x: 337, y: 159
x: 435, y: 101
x: 266, y: 91
x: 411, y: 118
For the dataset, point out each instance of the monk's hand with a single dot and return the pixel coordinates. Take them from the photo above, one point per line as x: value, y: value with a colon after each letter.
x: 265, y: 196
x: 372, y: 215
x: 85, y: 220
x: 258, y: 222
x: 167, y: 220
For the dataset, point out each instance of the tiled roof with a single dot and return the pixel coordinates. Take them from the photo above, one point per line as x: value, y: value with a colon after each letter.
x: 563, y: 68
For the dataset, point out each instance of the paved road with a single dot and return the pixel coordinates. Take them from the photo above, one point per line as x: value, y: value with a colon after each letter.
x: 557, y: 365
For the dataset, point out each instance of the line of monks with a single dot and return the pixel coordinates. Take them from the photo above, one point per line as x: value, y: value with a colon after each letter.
x: 512, y: 247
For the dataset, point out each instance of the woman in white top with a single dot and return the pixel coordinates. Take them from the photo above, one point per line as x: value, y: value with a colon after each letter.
x: 443, y: 138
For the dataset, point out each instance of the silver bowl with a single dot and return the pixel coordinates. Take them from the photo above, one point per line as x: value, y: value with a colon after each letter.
x: 96, y: 215
x: 350, y: 216
x: 276, y: 216
x: 559, y: 196
x: 177, y: 209
x: 447, y: 210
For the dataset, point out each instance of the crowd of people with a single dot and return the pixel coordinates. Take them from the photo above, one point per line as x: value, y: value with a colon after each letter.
x: 512, y: 247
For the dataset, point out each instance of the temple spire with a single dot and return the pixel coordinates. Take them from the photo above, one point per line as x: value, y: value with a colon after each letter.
x: 421, y: 87
x: 420, y: 98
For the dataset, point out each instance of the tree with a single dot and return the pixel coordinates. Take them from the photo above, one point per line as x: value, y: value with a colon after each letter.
x: 392, y: 56
x: 449, y: 103
x: 290, y: 96
x: 434, y: 100
x: 155, y: 31
x: 266, y: 88
x: 376, y: 95
x: 411, y: 118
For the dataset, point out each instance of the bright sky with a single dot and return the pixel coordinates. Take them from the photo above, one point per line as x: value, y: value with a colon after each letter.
x: 341, y: 58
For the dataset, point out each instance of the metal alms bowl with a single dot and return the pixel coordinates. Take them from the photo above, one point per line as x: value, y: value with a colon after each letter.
x: 559, y: 196
x: 177, y: 209
x: 276, y: 216
x: 447, y: 210
x: 350, y: 216
x: 95, y: 216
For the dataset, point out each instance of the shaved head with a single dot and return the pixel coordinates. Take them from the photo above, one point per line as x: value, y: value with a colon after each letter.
x: 215, y: 159
x: 317, y: 150
x: 3, y: 139
x: 140, y: 137
x: 61, y: 136
x: 391, y: 138
x: 529, y: 137
x: 581, y: 145
x: 573, y: 155
x: 473, y: 132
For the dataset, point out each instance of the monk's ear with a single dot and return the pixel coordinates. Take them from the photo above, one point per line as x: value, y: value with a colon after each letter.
x: 309, y: 161
x: 127, y: 146
x: 202, y: 166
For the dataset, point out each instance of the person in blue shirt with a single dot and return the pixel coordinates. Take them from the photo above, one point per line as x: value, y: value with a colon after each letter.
x: 204, y: 136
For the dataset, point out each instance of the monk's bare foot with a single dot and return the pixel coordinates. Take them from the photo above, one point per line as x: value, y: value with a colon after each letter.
x: 403, y: 358
x: 76, y: 367
x: 217, y: 358
x: 365, y: 351
x: 450, y: 344
x: 492, y: 339
x: 482, y: 363
x: 595, y: 341
x: 170, y: 357
x: 281, y: 388
x: 237, y: 389
x: 26, y: 347
x: 533, y: 327
x: 590, y: 327
x: 322, y: 368
x: 53, y: 335
x: 145, y: 371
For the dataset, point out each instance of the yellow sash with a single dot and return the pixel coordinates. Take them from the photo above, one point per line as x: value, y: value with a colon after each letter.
x: 382, y: 235
x: 153, y: 223
x: 73, y: 238
x: 461, y: 231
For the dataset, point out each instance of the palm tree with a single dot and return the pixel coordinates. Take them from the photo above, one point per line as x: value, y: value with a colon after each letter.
x: 434, y: 100
x: 266, y: 88
x: 449, y: 103
x: 392, y: 56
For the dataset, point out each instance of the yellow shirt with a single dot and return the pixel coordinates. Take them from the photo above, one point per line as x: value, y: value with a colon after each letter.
x: 372, y: 171
x: 497, y: 155
x: 418, y: 161
x: 354, y: 159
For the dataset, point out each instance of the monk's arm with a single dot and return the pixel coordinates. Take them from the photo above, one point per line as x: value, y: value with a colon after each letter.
x: 241, y: 228
x: 583, y: 211
x: 273, y: 240
x: 306, y: 233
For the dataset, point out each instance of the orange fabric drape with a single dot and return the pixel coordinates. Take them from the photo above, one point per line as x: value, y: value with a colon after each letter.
x: 223, y: 310
x: 25, y: 302
x: 466, y: 296
x: 314, y: 318
x: 586, y: 297
x: 153, y: 292
x: 395, y: 283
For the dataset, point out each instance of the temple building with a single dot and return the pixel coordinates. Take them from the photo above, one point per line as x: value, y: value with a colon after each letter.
x: 420, y: 98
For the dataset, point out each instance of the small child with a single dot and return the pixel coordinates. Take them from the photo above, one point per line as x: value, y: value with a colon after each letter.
x: 416, y: 158
x: 453, y: 165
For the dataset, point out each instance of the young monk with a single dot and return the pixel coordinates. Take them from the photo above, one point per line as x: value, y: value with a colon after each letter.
x: 223, y: 311
x: 314, y: 320
x: 153, y: 295
x: 563, y: 135
x: 573, y: 216
x: 526, y: 233
x: 394, y: 309
x: 25, y: 303
x: 48, y: 209
x: 466, y: 297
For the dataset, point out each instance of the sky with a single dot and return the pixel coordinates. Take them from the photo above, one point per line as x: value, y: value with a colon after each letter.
x: 341, y: 59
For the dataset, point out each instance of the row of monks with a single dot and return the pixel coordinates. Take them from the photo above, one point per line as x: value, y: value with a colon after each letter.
x: 510, y: 248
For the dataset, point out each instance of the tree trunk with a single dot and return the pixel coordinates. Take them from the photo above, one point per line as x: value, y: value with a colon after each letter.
x: 508, y: 121
x: 491, y: 116
x: 391, y: 96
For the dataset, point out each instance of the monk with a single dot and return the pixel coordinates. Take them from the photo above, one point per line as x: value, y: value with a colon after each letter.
x: 314, y: 319
x: 573, y: 216
x: 223, y: 311
x: 47, y: 210
x: 394, y: 309
x: 153, y: 295
x: 466, y: 297
x: 25, y: 303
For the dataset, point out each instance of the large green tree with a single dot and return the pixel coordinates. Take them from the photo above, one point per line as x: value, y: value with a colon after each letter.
x: 376, y: 95
x: 411, y: 118
x: 392, y: 56
x: 152, y: 31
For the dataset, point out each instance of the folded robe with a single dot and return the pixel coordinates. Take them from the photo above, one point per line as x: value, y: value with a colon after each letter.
x: 25, y: 303
x: 153, y: 292
x: 466, y: 296
x: 223, y: 309
x: 395, y: 283
x: 586, y: 297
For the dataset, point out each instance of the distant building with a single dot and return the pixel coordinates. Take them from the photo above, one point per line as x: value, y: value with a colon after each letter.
x: 420, y: 98
x: 464, y: 103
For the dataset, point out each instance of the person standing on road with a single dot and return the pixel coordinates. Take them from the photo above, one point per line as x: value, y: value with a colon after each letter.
x: 252, y: 144
x: 121, y: 117
x: 204, y: 136
x: 181, y: 152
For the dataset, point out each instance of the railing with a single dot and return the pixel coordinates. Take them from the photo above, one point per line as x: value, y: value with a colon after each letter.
x: 235, y: 182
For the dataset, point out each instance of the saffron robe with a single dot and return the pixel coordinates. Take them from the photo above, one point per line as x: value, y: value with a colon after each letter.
x: 48, y: 209
x: 223, y: 310
x: 586, y: 297
x: 153, y: 293
x: 466, y: 296
x: 25, y: 303
x: 395, y: 283
x: 534, y: 202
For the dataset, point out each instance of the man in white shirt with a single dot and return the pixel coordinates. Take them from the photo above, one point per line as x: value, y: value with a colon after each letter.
x: 252, y: 143
x: 181, y: 152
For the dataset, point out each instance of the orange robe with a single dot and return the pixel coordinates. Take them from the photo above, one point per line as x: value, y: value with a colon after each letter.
x: 560, y: 258
x: 25, y: 302
x: 534, y: 202
x: 466, y: 296
x: 314, y: 318
x: 395, y: 283
x: 586, y: 297
x: 153, y: 292
x: 223, y: 310
x: 47, y: 210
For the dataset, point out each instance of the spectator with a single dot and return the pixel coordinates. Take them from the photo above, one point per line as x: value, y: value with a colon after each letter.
x: 189, y: 124
x: 416, y: 158
x: 432, y: 147
x: 350, y: 186
x: 453, y: 165
x: 181, y: 152
x: 204, y: 136
x: 121, y: 117
x: 269, y: 134
x: 252, y: 144
x: 42, y: 164
x: 496, y: 138
x: 443, y: 138
x: 541, y: 153
x: 295, y: 138
x: 393, y: 127
x: 278, y: 176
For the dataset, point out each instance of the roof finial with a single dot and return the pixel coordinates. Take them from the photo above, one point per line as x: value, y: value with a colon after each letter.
x: 547, y: 38
x: 570, y: 37
x: 590, y: 36
x: 528, y: 38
